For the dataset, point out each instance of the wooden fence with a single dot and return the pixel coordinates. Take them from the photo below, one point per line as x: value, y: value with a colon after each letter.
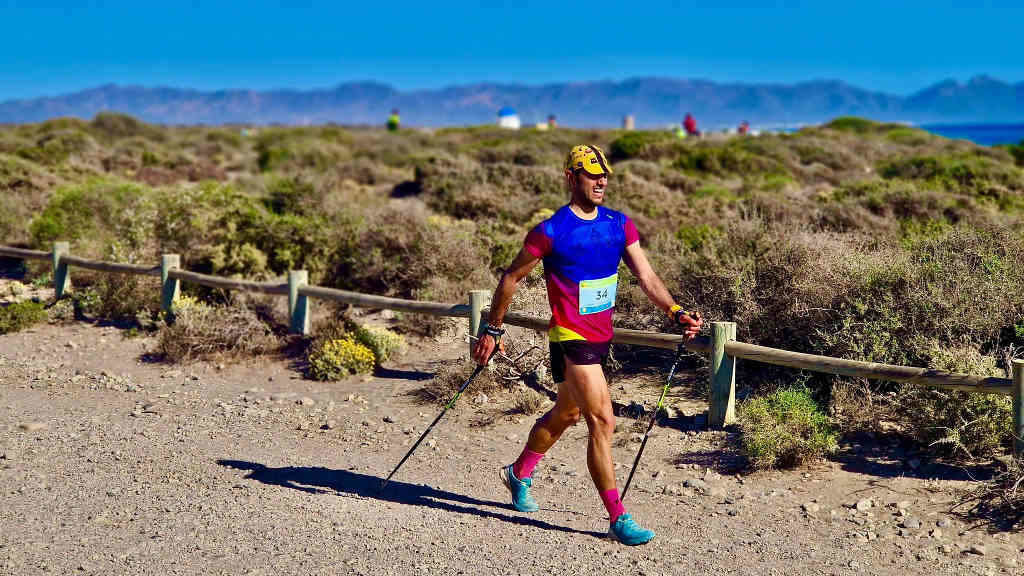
x: 721, y: 345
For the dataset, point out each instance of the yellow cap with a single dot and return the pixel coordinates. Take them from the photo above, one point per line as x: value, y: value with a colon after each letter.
x: 588, y: 157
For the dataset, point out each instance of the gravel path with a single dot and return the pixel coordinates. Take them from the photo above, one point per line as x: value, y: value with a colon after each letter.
x: 111, y: 465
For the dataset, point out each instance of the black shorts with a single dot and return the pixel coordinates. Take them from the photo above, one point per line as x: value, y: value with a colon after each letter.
x: 580, y: 352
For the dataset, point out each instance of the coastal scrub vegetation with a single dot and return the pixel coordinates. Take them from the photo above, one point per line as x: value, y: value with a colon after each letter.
x: 855, y: 239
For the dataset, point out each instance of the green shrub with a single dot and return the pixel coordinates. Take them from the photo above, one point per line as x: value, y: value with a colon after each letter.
x: 861, y: 125
x: 379, y: 340
x: 634, y: 144
x: 113, y: 126
x: 726, y: 160
x: 335, y: 359
x: 98, y: 212
x: 852, y: 124
x: 785, y: 428
x: 696, y: 236
x: 20, y: 315
x: 56, y: 147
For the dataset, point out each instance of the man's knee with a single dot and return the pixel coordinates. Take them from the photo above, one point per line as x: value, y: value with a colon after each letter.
x: 564, y: 418
x: 601, y: 422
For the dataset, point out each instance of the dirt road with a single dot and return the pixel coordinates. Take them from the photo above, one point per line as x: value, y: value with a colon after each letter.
x: 113, y: 465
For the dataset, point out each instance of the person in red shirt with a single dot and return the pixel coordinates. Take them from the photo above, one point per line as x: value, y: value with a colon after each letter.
x: 690, y: 125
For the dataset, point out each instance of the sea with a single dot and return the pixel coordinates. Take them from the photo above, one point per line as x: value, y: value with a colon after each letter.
x: 983, y: 134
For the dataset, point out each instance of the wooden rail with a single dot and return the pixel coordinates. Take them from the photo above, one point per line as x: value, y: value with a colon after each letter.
x: 116, y: 267
x: 721, y: 346
x: 24, y: 254
x: 279, y: 288
x: 873, y: 370
x: 370, y: 301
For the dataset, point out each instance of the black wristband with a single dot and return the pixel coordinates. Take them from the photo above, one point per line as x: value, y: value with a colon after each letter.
x: 495, y: 333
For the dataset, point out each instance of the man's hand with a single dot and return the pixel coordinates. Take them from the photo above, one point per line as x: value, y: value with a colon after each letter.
x: 691, y: 323
x: 484, y: 348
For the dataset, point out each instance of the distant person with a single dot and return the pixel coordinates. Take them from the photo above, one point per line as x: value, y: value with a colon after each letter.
x: 394, y: 121
x: 690, y: 125
x: 552, y: 121
x: 581, y: 246
x: 744, y: 128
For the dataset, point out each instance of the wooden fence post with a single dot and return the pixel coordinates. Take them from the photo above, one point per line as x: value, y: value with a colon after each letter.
x: 722, y: 410
x: 298, y: 304
x: 61, y: 278
x: 169, y: 286
x: 477, y: 301
x: 1018, y: 408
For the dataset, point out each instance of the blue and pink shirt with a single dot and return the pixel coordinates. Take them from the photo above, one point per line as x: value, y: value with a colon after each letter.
x: 581, y: 264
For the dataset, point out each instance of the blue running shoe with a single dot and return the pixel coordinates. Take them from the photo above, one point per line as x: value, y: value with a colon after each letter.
x: 628, y: 532
x: 520, y: 489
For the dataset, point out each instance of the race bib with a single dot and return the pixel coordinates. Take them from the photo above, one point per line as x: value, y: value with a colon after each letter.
x: 598, y: 295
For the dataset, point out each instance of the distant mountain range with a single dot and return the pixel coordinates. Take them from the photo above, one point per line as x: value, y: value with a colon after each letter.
x: 652, y: 101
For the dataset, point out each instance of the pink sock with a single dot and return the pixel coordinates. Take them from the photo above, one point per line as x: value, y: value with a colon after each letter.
x: 523, y: 468
x: 613, y: 504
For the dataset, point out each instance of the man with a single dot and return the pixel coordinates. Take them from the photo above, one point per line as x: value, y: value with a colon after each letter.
x: 581, y: 245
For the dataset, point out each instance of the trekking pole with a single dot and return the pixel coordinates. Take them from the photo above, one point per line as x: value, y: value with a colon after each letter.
x: 478, y: 370
x: 668, y: 382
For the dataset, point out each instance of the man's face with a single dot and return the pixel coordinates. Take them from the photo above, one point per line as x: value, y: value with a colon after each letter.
x: 590, y: 187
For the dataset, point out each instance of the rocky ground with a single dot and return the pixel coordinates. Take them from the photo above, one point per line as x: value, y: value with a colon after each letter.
x: 114, y: 464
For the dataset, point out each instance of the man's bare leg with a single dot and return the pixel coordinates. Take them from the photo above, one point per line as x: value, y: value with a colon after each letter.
x: 549, y: 427
x: 589, y: 391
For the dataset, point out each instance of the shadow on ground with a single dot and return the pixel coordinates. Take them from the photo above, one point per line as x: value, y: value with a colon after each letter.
x: 319, y: 480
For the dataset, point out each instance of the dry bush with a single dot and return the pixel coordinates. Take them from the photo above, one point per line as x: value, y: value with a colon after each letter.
x: 449, y: 378
x: 1001, y: 499
x: 526, y: 401
x: 199, y: 330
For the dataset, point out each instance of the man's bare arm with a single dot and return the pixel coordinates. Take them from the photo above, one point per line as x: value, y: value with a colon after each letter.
x: 657, y: 293
x: 650, y: 283
x: 519, y: 269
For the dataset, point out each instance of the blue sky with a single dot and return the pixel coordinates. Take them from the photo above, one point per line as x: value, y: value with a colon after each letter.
x: 54, y: 47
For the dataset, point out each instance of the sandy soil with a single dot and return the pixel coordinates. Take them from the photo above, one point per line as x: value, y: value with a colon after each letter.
x: 113, y: 464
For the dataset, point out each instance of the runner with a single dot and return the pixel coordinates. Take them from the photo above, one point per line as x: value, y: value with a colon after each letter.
x: 581, y: 245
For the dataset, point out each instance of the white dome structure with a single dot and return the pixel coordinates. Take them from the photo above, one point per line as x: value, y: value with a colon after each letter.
x: 507, y: 118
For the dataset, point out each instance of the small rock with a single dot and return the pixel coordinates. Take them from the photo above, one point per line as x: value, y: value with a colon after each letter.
x: 936, y: 533
x: 656, y: 473
x: 304, y: 426
x: 171, y: 374
x: 636, y: 437
x: 943, y: 523
x: 946, y: 549
x: 32, y: 426
x: 511, y: 437
x: 407, y: 430
x: 911, y: 523
x: 696, y: 484
x: 864, y: 505
x: 480, y: 399
x: 330, y: 425
x: 389, y: 419
x: 903, y: 505
x: 810, y: 507
x: 305, y: 401
x: 71, y: 345
x: 977, y: 549
x: 432, y: 443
